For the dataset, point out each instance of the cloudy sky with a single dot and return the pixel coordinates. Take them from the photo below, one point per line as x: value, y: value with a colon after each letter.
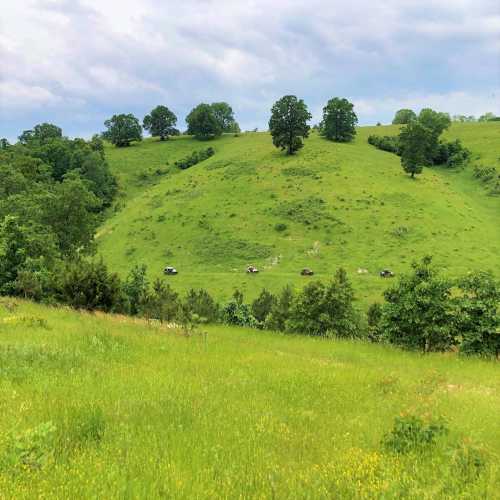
x: 77, y: 62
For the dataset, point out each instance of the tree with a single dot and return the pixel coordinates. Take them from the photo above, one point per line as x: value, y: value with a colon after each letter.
x: 89, y: 285
x: 288, y: 123
x: 339, y: 120
x: 477, y: 317
x: 202, y: 122
x: 122, y: 130
x: 280, y: 311
x: 71, y: 213
x: 41, y: 133
x: 162, y: 304
x: 262, y: 305
x: 136, y: 288
x: 225, y: 116
x: 414, y: 142
x: 435, y: 121
x: 23, y: 245
x: 200, y: 302
x: 160, y: 122
x: 487, y: 117
x: 404, y: 116
x: 325, y: 310
x: 418, y: 313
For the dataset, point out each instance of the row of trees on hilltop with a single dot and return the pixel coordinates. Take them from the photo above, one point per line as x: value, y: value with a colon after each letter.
x: 288, y: 123
x: 289, y: 116
x: 205, y: 121
x: 405, y: 116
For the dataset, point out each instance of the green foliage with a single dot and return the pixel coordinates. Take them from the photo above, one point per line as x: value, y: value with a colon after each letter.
x: 162, y: 304
x: 486, y: 117
x: 225, y: 117
x: 263, y: 305
x: 325, y: 310
x: 385, y: 143
x: 374, y: 317
x: 411, y: 433
x: 288, y: 123
x: 40, y: 134
x: 122, y: 130
x: 160, y: 122
x: 280, y: 310
x: 201, y: 303
x: 237, y: 313
x: 136, y: 287
x: 418, y: 313
x: 280, y: 227
x: 477, y: 316
x: 339, y: 120
x: 194, y: 158
x: 85, y: 284
x: 203, y: 122
x: 404, y: 116
x: 414, y: 140
x: 452, y: 154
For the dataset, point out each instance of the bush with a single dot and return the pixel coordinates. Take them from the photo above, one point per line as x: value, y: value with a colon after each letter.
x: 412, y: 433
x: 280, y: 311
x: 418, y: 312
x: 194, y: 158
x: 325, y: 310
x: 235, y: 312
x: 452, y: 154
x: 262, y: 305
x: 89, y: 285
x: 385, y: 143
x: 280, y: 227
x: 201, y: 303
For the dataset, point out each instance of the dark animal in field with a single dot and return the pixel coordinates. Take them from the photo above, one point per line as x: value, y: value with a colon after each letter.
x: 170, y: 270
x: 306, y: 272
x: 386, y: 273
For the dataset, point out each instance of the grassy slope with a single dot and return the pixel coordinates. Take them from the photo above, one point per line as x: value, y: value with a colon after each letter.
x: 214, y: 219
x: 238, y: 413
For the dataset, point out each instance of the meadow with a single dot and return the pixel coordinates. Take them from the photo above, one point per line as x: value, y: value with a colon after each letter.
x: 328, y: 206
x: 96, y: 406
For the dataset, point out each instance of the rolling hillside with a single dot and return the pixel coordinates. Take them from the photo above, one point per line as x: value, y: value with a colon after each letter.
x: 97, y: 406
x: 330, y: 205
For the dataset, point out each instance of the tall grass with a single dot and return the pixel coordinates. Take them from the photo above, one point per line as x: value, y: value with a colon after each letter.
x: 96, y: 406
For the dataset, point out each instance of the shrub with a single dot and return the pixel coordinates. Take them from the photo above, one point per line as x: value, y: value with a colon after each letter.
x: 477, y: 319
x: 201, y: 303
x: 194, y: 158
x: 325, y: 310
x: 385, y: 143
x: 412, y: 433
x: 280, y: 227
x: 162, y: 303
x: 89, y: 285
x: 418, y: 312
x: 374, y: 316
x: 280, y: 311
x: 235, y: 312
x: 262, y: 305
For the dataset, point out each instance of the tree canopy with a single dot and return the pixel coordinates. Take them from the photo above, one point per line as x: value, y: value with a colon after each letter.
x: 288, y: 123
x: 203, y: 122
x: 413, y: 142
x: 160, y: 122
x: 404, y: 116
x: 339, y: 120
x: 122, y: 130
x: 225, y: 116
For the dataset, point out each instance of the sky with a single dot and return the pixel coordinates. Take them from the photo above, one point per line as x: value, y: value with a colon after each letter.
x: 75, y: 63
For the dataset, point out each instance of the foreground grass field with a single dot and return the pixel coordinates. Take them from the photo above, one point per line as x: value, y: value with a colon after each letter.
x: 96, y: 406
x: 330, y: 205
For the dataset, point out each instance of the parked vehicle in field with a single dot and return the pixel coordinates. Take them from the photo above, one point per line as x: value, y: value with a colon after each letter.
x: 169, y: 270
x: 386, y: 273
x: 306, y: 272
x: 252, y: 270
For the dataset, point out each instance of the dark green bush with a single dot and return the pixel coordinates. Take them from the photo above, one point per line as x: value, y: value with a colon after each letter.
x: 194, y: 158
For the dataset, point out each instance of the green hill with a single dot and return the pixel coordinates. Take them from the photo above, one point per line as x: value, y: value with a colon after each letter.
x: 97, y: 406
x: 330, y: 205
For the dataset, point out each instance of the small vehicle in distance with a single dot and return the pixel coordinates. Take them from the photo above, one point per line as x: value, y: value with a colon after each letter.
x: 386, y: 273
x: 252, y: 270
x: 169, y: 270
x: 306, y: 272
